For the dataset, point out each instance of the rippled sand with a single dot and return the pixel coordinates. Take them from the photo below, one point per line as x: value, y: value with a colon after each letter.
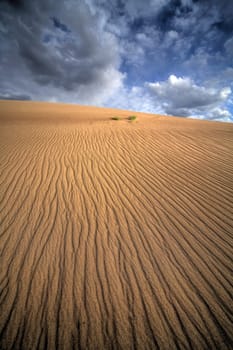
x: 114, y: 234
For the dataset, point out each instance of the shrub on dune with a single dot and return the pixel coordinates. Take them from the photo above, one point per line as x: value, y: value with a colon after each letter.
x: 132, y: 117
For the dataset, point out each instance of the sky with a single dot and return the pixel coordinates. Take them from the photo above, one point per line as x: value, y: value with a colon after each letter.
x: 171, y: 57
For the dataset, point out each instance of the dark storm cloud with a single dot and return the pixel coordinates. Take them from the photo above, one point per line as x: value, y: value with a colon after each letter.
x: 60, y: 25
x: 59, y: 44
x: 15, y: 3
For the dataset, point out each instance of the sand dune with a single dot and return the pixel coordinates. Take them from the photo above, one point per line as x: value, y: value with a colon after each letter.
x: 114, y: 234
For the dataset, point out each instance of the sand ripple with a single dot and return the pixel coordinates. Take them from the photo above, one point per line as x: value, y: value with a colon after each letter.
x: 116, y: 235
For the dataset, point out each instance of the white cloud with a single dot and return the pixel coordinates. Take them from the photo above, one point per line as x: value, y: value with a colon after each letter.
x: 137, y: 8
x: 182, y: 97
x: 217, y: 114
x: 135, y: 98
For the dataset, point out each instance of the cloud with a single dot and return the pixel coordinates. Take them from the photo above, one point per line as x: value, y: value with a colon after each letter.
x: 229, y: 48
x: 220, y: 114
x: 182, y: 97
x: 60, y: 25
x: 138, y: 8
x: 59, y: 45
x: 134, y: 99
x: 102, y: 52
x: 16, y: 97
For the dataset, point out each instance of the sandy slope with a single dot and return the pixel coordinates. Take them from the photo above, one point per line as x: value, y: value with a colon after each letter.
x: 114, y: 235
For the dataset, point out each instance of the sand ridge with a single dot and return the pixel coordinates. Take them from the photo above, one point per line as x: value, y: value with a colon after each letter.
x: 114, y: 234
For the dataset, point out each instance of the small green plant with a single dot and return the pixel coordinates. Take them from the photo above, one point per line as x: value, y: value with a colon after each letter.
x: 115, y: 118
x: 132, y: 117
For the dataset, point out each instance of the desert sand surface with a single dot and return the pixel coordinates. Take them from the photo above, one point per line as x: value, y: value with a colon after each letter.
x: 114, y: 234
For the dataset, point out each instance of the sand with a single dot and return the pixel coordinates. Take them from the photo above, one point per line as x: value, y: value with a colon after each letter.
x: 114, y: 234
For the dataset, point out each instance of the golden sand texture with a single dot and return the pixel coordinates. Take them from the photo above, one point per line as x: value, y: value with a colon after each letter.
x: 114, y: 234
